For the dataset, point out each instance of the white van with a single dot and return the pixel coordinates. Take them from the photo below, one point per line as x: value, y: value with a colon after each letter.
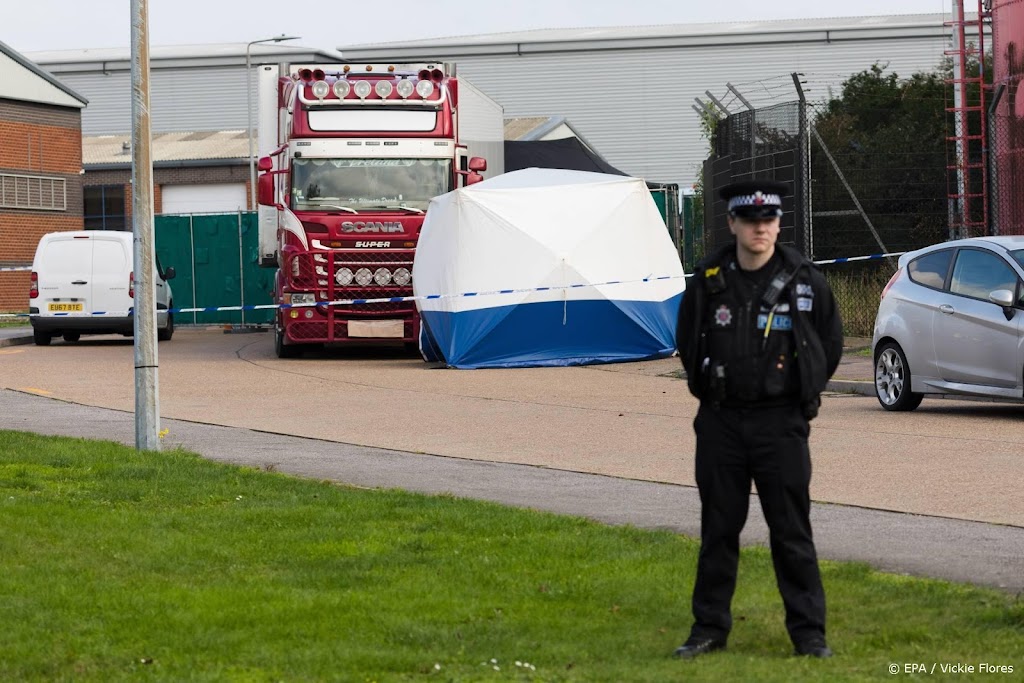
x: 82, y: 283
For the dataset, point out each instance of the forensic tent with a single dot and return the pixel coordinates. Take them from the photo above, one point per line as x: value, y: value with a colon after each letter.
x: 546, y: 267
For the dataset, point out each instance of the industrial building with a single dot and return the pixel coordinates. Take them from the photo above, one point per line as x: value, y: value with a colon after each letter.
x: 630, y: 91
x: 40, y: 166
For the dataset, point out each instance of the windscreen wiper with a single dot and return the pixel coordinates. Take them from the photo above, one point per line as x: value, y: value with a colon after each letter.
x: 398, y: 208
x: 335, y: 206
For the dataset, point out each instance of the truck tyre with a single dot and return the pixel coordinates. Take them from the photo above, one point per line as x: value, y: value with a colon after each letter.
x: 41, y: 338
x: 281, y: 347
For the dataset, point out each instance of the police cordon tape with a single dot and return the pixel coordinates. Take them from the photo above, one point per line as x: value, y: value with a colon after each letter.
x: 434, y: 297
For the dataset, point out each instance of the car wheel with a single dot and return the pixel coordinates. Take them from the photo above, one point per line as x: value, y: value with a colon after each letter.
x: 281, y: 348
x: 72, y: 336
x: 167, y: 331
x: 892, y: 379
x: 41, y: 338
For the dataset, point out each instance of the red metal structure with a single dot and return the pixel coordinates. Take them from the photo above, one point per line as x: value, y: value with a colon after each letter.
x: 1008, y: 116
x: 968, y: 167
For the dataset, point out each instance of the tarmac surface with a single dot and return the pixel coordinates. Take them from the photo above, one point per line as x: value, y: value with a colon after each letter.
x: 937, y: 546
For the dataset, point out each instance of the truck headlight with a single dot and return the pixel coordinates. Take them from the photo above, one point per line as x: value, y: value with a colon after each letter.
x: 363, y: 89
x: 320, y: 89
x: 382, y: 276
x: 363, y: 277
x: 343, y: 277
x: 341, y: 89
x: 424, y: 89
x: 402, y: 277
x: 405, y: 88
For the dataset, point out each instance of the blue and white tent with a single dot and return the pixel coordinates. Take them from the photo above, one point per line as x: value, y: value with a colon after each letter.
x: 546, y: 267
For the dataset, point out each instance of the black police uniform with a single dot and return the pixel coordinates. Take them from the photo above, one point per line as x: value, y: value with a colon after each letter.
x: 758, y: 348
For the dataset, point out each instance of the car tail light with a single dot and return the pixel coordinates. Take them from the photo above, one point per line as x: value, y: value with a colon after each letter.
x: 33, y: 291
x: 895, y: 276
x: 131, y: 284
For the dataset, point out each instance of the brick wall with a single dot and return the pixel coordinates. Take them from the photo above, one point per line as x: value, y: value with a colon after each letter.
x: 14, y: 292
x: 36, y: 139
x: 184, y: 175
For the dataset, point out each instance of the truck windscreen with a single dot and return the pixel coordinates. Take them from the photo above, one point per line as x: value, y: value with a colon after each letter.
x: 367, y: 184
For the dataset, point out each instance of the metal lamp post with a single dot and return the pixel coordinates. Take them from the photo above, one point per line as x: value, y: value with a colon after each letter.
x: 248, y: 100
x: 252, y: 155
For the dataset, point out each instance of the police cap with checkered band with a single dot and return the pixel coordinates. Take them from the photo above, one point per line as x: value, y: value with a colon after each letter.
x: 755, y: 198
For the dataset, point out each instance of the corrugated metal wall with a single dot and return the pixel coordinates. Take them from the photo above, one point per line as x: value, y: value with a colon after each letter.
x: 211, y: 98
x: 634, y: 106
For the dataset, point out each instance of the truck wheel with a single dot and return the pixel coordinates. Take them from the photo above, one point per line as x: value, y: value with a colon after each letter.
x: 41, y: 338
x: 281, y: 347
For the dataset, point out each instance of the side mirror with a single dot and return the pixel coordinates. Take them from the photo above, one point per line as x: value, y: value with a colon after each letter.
x: 473, y: 178
x: 1003, y: 297
x: 169, y: 273
x: 477, y: 164
x: 265, y: 164
x: 265, y: 189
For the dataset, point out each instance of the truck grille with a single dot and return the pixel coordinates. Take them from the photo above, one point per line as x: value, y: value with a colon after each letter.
x: 318, y: 271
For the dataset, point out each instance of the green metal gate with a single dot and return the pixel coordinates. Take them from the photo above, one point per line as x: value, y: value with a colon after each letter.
x: 214, y: 256
x: 666, y: 197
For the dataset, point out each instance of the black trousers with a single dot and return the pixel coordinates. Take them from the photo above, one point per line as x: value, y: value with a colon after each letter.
x: 768, y: 446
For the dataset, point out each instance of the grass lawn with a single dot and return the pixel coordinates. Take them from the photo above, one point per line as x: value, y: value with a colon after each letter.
x: 120, y: 565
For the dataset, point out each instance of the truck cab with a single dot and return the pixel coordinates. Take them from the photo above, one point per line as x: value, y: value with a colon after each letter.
x: 360, y: 153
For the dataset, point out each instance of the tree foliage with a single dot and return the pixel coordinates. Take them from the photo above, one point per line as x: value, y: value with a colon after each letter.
x: 890, y: 138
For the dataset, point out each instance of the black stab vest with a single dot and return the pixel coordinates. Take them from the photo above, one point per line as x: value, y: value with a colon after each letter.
x: 758, y: 368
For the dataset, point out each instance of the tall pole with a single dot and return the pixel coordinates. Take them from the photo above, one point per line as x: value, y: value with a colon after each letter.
x: 248, y: 101
x: 960, y: 122
x: 147, y: 403
x: 248, y: 114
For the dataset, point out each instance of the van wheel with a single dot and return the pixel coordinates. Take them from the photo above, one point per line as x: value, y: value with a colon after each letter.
x: 281, y: 348
x: 72, y: 336
x: 167, y: 332
x: 41, y: 338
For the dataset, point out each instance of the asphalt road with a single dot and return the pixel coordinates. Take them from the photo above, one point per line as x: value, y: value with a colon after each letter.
x: 931, y: 493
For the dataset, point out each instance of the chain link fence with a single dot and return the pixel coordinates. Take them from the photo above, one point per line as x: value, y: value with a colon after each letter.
x: 1006, y: 163
x: 873, y: 172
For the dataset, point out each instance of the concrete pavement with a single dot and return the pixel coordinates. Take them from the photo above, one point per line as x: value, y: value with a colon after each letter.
x: 956, y: 550
x: 917, y: 544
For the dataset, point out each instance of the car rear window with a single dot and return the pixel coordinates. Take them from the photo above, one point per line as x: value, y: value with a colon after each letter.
x: 930, y: 270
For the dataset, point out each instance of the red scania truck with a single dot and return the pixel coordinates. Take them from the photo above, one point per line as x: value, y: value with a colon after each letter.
x: 350, y: 157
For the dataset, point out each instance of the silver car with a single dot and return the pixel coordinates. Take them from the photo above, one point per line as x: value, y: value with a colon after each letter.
x: 951, y: 322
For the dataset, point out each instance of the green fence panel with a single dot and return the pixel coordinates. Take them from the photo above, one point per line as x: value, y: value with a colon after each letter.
x: 212, y: 270
x: 174, y: 248
x: 665, y: 197
x: 693, y: 231
x: 259, y: 281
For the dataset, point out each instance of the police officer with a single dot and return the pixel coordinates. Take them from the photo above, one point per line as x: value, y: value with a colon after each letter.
x: 759, y: 336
